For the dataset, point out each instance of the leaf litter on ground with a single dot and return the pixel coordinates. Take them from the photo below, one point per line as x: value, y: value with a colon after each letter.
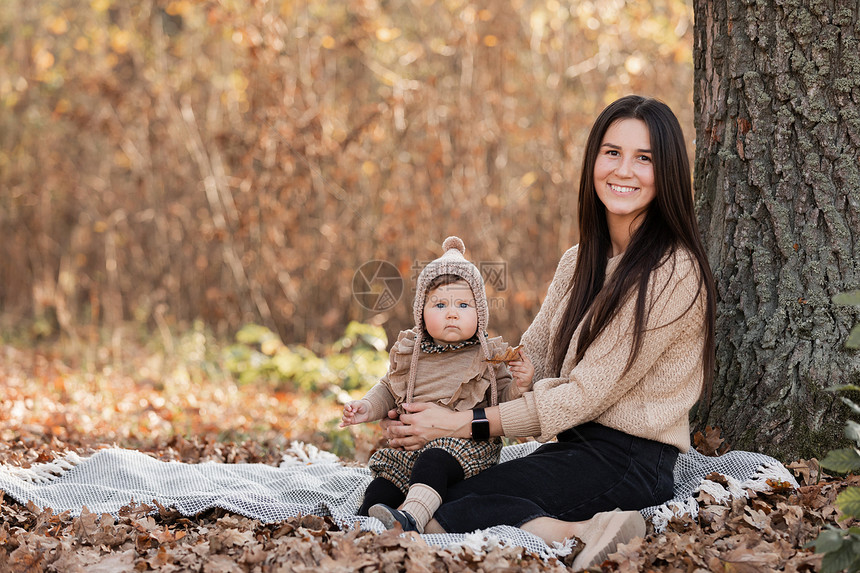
x: 48, y: 409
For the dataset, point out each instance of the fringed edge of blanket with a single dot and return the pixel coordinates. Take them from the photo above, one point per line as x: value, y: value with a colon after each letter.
x: 45, y: 472
x: 723, y: 494
x: 302, y: 454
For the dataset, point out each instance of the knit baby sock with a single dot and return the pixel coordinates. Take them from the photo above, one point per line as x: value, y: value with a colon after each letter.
x: 422, y: 501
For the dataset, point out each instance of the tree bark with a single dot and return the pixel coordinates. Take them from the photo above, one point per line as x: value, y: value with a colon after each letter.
x: 777, y: 177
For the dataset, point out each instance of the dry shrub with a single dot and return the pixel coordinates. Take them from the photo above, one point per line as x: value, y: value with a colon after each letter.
x: 239, y: 161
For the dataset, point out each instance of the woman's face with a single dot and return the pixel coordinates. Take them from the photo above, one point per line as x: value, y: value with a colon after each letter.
x: 624, y: 172
x: 450, y: 313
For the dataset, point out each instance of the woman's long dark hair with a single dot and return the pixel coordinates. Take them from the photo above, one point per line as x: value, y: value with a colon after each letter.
x: 669, y: 223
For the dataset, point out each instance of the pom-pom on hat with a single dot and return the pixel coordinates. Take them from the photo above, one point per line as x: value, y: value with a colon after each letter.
x: 452, y: 262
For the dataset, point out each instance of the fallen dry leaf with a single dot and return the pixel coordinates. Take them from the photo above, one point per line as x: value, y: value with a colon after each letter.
x: 509, y: 355
x: 765, y: 532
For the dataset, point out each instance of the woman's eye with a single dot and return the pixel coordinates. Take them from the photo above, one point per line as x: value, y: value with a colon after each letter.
x: 645, y: 158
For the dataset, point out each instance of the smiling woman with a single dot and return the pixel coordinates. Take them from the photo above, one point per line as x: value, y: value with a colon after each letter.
x: 624, y: 178
x: 622, y: 348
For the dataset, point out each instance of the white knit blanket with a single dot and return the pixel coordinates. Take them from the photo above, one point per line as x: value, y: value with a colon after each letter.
x: 309, y: 481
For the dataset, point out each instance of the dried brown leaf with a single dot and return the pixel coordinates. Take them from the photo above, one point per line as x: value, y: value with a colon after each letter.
x: 807, y: 470
x: 509, y: 355
x: 710, y: 443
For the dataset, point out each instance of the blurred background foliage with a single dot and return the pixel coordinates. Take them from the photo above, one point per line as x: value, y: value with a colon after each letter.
x: 236, y: 162
x: 356, y: 361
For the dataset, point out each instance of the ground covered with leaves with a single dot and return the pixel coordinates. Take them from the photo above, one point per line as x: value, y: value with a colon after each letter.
x: 182, y: 408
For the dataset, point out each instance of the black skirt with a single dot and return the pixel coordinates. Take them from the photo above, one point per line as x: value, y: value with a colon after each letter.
x: 590, y: 469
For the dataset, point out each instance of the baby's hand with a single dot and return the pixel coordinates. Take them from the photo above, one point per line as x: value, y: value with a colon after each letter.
x: 355, y: 412
x: 522, y: 371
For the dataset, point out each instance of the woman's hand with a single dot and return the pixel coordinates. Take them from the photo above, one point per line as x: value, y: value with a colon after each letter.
x: 393, y: 420
x: 523, y: 371
x: 424, y: 422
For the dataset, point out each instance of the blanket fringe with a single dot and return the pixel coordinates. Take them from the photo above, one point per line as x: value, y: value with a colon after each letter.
x: 302, y: 454
x: 479, y: 542
x: 45, y: 472
x: 664, y: 513
x: 723, y: 495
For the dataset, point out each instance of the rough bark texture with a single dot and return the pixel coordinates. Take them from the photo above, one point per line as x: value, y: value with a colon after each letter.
x: 777, y: 177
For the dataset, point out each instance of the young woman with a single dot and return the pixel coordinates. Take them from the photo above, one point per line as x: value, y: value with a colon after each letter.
x: 622, y: 348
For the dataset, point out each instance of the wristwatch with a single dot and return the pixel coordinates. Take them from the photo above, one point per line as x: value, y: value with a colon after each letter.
x: 480, y: 425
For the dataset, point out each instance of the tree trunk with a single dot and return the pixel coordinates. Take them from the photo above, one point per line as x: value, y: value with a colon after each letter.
x: 777, y: 177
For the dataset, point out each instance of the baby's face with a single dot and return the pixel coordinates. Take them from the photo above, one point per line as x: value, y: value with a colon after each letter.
x: 450, y: 314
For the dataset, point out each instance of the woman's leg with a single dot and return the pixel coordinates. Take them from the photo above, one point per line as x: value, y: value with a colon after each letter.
x: 601, y: 534
x: 434, y: 527
x: 553, y: 530
x: 547, y: 528
x: 595, y: 470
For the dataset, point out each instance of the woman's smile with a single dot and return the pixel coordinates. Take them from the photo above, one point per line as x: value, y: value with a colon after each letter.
x: 618, y: 189
x: 624, y: 173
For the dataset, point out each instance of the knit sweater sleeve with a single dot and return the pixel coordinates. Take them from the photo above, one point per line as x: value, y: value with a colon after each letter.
x: 380, y: 397
x: 537, y: 338
x: 379, y: 400
x: 598, y: 387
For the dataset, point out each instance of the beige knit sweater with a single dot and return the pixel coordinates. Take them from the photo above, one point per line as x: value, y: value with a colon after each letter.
x: 458, y: 379
x: 653, y: 399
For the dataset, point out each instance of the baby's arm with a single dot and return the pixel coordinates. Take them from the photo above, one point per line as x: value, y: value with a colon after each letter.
x: 355, y: 412
x: 374, y: 406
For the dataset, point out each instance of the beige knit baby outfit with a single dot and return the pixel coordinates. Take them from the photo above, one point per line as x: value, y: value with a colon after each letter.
x: 459, y: 379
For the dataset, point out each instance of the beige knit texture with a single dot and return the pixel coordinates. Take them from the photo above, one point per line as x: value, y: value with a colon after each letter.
x: 458, y: 379
x: 651, y: 400
x: 451, y: 262
x: 421, y: 502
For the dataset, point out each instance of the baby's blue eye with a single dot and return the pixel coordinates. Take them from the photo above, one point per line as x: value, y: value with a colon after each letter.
x: 440, y: 305
x: 464, y: 305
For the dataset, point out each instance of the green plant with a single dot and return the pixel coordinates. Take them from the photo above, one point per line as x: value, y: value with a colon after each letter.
x: 841, y: 548
x: 354, y: 362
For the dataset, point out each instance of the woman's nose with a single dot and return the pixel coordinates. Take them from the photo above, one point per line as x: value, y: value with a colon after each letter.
x: 624, y: 167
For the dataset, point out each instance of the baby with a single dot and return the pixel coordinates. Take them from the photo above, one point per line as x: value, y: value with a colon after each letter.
x: 447, y: 359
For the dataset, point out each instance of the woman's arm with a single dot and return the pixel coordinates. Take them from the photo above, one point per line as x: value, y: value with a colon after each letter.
x: 426, y: 422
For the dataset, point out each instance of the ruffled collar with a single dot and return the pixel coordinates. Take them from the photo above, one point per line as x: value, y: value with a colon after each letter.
x: 429, y: 346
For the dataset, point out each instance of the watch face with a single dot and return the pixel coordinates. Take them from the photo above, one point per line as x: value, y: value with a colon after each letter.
x: 480, y: 429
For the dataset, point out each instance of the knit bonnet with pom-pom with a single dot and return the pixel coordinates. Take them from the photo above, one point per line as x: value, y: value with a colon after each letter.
x: 452, y: 262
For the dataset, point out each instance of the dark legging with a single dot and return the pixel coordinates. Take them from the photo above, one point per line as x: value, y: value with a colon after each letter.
x: 590, y: 469
x: 434, y: 467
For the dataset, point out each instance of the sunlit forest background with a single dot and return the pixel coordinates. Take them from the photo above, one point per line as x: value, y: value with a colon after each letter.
x: 237, y: 162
